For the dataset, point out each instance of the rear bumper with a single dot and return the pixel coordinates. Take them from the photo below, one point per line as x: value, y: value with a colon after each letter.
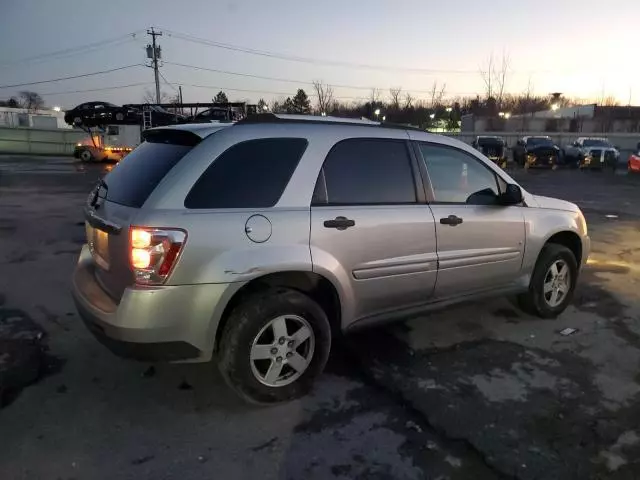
x: 168, y: 323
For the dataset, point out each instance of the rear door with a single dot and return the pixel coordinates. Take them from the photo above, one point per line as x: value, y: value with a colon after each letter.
x: 480, y: 242
x: 112, y: 206
x: 371, y: 227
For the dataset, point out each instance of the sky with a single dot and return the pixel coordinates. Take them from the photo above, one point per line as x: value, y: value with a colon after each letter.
x: 584, y: 49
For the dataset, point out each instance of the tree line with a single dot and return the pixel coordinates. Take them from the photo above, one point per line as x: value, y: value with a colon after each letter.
x: 32, y: 101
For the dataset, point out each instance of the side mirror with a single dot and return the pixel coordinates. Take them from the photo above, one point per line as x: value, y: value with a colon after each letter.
x: 512, y: 195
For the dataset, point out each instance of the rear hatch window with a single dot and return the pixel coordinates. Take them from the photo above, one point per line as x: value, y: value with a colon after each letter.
x: 131, y: 182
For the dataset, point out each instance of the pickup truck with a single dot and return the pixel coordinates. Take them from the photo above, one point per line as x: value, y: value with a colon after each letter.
x: 493, y: 148
x: 536, y: 151
x: 592, y: 153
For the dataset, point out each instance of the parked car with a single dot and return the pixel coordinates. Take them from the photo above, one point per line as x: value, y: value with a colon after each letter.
x: 261, y: 241
x: 217, y: 114
x: 633, y: 164
x: 92, y: 114
x: 160, y: 116
x: 591, y: 152
x: 536, y: 151
x: 492, y: 147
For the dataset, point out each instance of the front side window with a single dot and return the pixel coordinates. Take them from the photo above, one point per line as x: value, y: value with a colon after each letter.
x: 251, y: 174
x: 457, y: 177
x: 366, y: 171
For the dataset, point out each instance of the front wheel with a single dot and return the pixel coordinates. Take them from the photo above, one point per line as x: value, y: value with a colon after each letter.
x: 552, y: 283
x: 86, y: 156
x: 274, y: 345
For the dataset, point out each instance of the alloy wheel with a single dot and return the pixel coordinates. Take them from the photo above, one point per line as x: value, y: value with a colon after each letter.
x: 557, y: 283
x: 282, y: 351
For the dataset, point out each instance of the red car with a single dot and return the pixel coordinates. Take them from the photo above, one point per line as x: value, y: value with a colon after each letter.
x: 633, y: 165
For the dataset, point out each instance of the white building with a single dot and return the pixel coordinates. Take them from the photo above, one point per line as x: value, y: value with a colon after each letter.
x: 21, y: 117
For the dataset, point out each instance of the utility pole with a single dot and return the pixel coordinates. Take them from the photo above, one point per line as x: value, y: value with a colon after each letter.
x: 180, y: 98
x: 154, y: 53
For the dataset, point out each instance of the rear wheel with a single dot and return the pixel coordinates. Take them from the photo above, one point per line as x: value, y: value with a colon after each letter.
x: 552, y: 283
x: 274, y: 345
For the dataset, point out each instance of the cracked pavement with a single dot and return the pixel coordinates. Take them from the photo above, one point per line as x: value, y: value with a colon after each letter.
x: 477, y: 391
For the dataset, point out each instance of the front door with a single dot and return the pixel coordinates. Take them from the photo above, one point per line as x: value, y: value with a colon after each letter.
x: 480, y: 242
x: 369, y: 231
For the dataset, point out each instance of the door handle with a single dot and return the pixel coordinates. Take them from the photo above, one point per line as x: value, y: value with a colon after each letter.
x: 339, y: 223
x: 451, y: 220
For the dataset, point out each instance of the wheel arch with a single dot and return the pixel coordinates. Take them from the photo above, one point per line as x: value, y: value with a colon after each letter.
x: 316, y: 286
x: 569, y: 239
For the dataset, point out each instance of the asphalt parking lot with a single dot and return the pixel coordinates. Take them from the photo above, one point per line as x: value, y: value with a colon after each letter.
x: 479, y: 391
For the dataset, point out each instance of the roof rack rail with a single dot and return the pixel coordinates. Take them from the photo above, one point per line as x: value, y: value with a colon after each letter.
x: 263, y: 118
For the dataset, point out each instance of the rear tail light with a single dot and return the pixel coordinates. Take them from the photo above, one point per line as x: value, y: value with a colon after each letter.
x: 153, y: 252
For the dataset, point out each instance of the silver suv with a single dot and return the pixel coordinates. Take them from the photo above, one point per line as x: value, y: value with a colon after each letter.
x: 259, y: 241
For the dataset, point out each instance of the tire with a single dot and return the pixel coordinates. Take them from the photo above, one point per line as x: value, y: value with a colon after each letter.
x: 250, y: 323
x: 86, y: 156
x: 535, y: 301
x: 77, y: 120
x: 119, y: 116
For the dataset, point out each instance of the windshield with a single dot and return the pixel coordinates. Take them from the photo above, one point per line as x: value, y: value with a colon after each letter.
x: 539, y: 142
x: 595, y: 142
x: 490, y: 141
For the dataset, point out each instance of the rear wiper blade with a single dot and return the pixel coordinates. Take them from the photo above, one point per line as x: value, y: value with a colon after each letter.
x: 95, y: 193
x: 102, y: 184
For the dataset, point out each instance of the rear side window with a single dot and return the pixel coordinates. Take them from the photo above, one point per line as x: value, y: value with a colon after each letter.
x: 131, y: 182
x: 251, y: 174
x: 364, y: 171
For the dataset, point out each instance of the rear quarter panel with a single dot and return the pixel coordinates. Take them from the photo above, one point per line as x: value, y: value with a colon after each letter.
x: 218, y: 250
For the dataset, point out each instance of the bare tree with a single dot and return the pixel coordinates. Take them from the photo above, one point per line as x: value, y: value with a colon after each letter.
x: 609, y: 101
x: 150, y: 96
x: 325, y: 96
x: 277, y: 105
x: 408, y: 101
x: 395, y: 97
x: 375, y: 96
x: 486, y: 72
x: 32, y: 101
x: 494, y: 76
x: 437, y: 94
x: 500, y: 77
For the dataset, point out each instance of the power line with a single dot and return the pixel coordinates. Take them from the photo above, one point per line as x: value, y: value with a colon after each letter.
x: 71, y: 77
x: 304, y: 82
x: 97, y: 89
x: 314, y: 61
x: 81, y: 49
x: 167, y: 81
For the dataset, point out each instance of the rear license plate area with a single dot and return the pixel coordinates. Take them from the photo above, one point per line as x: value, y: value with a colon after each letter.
x: 98, y: 241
